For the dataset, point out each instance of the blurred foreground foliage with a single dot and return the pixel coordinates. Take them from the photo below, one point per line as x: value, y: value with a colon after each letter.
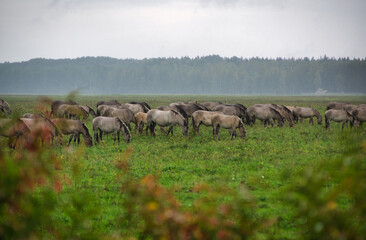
x: 328, y: 201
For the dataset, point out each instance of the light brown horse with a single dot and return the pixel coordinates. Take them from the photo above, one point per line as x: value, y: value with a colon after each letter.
x: 338, y: 115
x: 284, y: 111
x: 141, y: 119
x: 202, y: 117
x: 166, y: 118
x: 110, y: 125
x: 229, y: 122
x: 301, y: 112
x: 75, y: 128
x: 4, y: 106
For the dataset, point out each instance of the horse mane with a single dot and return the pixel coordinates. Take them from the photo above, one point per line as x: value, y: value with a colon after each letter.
x: 185, y: 121
x: 58, y: 132
x: 124, y: 126
x: 91, y: 110
x: 286, y: 109
x: 181, y: 111
x: 276, y: 113
x: 85, y: 129
x: 241, y: 106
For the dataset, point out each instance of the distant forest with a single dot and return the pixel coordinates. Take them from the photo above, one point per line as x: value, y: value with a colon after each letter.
x: 200, y: 75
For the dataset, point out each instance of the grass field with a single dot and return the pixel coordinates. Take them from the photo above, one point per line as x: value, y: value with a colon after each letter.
x: 267, y: 161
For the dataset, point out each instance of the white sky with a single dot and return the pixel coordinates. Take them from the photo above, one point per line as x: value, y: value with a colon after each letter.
x: 161, y: 28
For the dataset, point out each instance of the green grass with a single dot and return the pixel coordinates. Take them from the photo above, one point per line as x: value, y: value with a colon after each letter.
x: 266, y: 160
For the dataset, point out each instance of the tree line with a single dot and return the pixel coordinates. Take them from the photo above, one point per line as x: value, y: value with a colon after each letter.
x: 201, y: 75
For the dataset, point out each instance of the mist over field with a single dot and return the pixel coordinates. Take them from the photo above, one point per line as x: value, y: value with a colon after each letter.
x: 201, y: 75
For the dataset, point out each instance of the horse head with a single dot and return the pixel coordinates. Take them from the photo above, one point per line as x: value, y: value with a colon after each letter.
x: 125, y: 131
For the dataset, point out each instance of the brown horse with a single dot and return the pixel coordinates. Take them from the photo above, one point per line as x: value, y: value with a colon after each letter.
x: 338, y: 115
x: 284, y: 111
x: 89, y: 110
x: 229, y: 122
x: 43, y: 129
x: 13, y: 129
x: 266, y: 114
x: 75, y: 128
x: 126, y: 115
x: 336, y: 105
x: 112, y: 102
x: 56, y: 104
x: 359, y: 116
x: 166, y: 118
x: 202, y: 117
x: 233, y: 109
x: 4, y: 106
x: 211, y: 105
x: 301, y: 112
x: 110, y: 125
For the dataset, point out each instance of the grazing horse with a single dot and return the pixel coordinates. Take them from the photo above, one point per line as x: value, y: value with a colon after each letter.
x: 89, y: 110
x: 233, y: 109
x: 112, y: 102
x: 134, y: 107
x: 266, y: 114
x: 110, y: 125
x: 229, y: 122
x: 141, y: 119
x: 56, y: 104
x: 202, y: 117
x: 284, y: 111
x: 291, y: 108
x: 13, y: 129
x: 211, y: 105
x: 359, y: 116
x: 42, y: 128
x: 310, y: 112
x: 4, y: 105
x: 337, y: 115
x: 126, y: 115
x: 73, y: 128
x: 166, y: 118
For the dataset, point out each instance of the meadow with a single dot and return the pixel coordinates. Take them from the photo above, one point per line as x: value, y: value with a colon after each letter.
x: 268, y: 162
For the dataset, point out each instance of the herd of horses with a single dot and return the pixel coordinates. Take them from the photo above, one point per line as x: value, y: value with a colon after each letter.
x: 66, y: 118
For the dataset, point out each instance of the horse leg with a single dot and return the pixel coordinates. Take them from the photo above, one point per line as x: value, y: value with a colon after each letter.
x: 344, y: 123
x: 96, y: 139
x: 327, y: 123
x: 70, y: 139
x: 218, y: 132
x: 101, y: 135
x: 152, y: 128
x: 214, y: 132
x: 301, y: 119
x: 78, y: 135
x: 118, y: 137
x: 311, y: 121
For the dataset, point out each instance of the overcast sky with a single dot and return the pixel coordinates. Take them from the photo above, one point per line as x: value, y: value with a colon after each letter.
x: 161, y: 28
